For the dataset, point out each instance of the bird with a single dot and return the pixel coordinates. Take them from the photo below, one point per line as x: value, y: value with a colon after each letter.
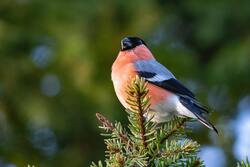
x: 168, y: 96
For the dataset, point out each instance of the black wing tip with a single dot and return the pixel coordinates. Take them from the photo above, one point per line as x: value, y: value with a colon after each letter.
x: 206, y: 123
x: 214, y: 128
x: 209, y: 125
x: 199, y: 111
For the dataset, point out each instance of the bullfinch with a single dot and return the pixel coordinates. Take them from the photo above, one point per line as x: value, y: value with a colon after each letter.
x: 168, y: 97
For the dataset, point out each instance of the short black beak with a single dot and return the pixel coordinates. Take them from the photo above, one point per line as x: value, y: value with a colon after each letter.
x: 126, y: 44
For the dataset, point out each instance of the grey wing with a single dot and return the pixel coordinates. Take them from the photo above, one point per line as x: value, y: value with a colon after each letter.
x: 152, y: 66
x: 157, y: 74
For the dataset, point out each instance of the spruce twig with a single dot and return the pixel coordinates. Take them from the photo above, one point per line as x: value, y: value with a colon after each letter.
x: 186, y: 148
x: 245, y: 163
x: 137, y: 94
x: 108, y: 126
x: 175, y: 129
x: 105, y: 122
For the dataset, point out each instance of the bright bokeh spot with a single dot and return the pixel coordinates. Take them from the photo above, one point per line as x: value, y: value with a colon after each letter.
x: 42, y: 56
x: 50, y: 85
x: 213, y: 156
x: 241, y: 126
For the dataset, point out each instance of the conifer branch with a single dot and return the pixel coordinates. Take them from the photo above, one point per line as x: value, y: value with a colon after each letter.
x: 108, y: 126
x: 177, y: 127
x: 196, y: 163
x: 244, y: 163
x: 139, y: 106
x: 177, y: 148
x: 137, y: 94
x: 141, y: 121
x: 191, y: 162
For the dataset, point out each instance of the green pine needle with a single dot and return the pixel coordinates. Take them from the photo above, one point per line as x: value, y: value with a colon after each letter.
x: 243, y: 163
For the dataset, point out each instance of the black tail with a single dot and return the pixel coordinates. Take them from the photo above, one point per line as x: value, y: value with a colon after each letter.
x: 198, y: 110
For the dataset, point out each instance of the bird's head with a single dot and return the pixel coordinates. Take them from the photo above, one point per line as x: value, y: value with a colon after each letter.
x: 134, y: 48
x: 128, y: 43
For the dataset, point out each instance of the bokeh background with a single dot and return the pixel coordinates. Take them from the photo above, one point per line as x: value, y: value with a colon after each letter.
x: 55, y: 65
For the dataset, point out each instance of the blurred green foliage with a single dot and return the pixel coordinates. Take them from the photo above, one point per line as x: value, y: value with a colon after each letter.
x: 55, y: 64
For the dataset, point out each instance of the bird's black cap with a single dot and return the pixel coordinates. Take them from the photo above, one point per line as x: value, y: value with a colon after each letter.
x: 131, y: 42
